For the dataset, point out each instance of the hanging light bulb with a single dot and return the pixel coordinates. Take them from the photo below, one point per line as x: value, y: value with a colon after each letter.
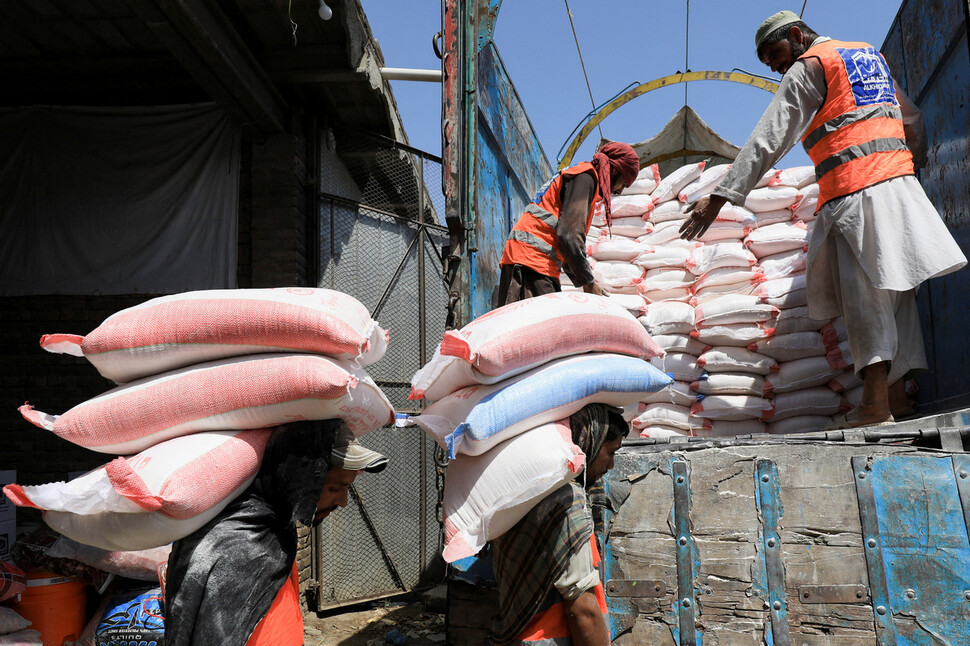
x: 325, y: 12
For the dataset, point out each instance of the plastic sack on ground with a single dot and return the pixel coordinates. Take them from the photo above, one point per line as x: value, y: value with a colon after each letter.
x: 194, y: 327
x: 139, y: 612
x: 486, y: 495
x: 474, y: 419
x: 141, y: 565
x: 521, y: 336
x: 250, y: 392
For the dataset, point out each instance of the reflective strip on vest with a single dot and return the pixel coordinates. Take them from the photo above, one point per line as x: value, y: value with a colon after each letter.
x: 548, y: 641
x: 536, y: 243
x: 542, y: 215
x: 855, y: 152
x: 868, y: 112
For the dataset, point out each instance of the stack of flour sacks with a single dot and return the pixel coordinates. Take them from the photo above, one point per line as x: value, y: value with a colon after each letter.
x: 205, y: 376
x: 729, y: 308
x: 503, y: 388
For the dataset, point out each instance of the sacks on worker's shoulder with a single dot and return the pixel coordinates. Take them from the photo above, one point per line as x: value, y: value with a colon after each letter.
x: 521, y: 336
x: 174, y: 331
x: 255, y: 391
x: 152, y: 498
x: 475, y: 418
x: 486, y: 495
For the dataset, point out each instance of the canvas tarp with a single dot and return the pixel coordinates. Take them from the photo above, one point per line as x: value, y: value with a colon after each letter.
x: 107, y: 200
x: 685, y: 139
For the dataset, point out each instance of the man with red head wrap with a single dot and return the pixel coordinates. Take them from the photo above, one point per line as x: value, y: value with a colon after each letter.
x: 550, y: 236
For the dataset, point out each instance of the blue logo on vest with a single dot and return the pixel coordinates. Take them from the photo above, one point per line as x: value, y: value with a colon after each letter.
x: 545, y: 187
x: 868, y: 75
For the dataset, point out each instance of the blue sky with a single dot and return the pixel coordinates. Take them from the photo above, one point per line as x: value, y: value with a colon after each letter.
x: 622, y: 42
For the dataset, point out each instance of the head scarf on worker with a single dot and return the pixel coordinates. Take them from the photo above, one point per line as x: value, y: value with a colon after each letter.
x: 617, y: 156
x: 207, y: 601
x: 555, y: 529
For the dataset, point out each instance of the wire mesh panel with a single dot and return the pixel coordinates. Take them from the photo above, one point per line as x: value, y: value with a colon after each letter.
x: 374, y: 246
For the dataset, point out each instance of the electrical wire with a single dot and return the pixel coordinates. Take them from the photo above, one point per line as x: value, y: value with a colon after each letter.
x: 686, y: 47
x: 802, y: 13
x: 582, y: 64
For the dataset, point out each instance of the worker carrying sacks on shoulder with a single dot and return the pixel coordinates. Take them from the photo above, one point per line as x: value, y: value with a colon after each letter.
x: 876, y: 235
x: 545, y: 566
x: 550, y: 236
x: 234, y: 580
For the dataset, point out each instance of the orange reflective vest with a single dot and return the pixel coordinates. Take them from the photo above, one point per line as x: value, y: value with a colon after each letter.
x: 550, y: 627
x: 532, y: 241
x: 856, y: 140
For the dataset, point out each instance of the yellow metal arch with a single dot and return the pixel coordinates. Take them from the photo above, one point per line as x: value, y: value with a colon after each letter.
x: 609, y: 108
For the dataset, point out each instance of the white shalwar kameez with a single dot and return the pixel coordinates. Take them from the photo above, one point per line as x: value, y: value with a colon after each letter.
x: 869, y: 250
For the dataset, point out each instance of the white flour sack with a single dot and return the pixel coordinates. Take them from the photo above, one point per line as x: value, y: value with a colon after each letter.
x: 703, y: 185
x: 738, y: 334
x: 776, y: 238
x: 647, y: 180
x: 767, y: 218
x: 663, y: 257
x: 671, y: 185
x: 796, y: 319
x: 771, y: 198
x: 667, y: 212
x: 670, y: 415
x: 677, y: 393
x: 802, y: 373
x: 730, y: 383
x: 728, y: 309
x: 623, y: 206
x: 679, y: 343
x: 615, y: 248
x: 789, y: 347
x: 486, y: 495
x: 730, y: 359
x: 784, y: 292
x: 520, y: 336
x: 159, y: 495
x: 474, y: 419
x: 804, y: 208
x: 251, y: 392
x: 662, y: 233
x: 715, y: 256
x: 668, y: 317
x: 732, y: 407
x: 808, y: 401
x: 731, y: 428
x: 680, y: 366
x: 631, y: 226
x: 797, y: 176
x: 725, y: 230
x: 184, y: 329
x: 615, y: 275
x: 733, y: 213
x: 786, y: 263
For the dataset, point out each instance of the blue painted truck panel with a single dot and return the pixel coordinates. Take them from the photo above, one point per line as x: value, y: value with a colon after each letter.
x: 927, y: 50
x: 511, y: 166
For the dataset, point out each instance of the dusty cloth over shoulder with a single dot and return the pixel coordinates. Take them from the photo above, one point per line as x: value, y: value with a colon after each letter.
x: 530, y: 557
x: 222, y: 578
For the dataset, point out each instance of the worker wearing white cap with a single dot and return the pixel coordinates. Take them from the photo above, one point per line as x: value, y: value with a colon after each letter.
x: 876, y: 235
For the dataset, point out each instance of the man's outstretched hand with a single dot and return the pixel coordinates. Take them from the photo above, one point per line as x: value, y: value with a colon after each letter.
x: 703, y: 212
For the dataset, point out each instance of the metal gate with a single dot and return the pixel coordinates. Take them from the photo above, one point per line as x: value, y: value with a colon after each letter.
x: 380, y: 241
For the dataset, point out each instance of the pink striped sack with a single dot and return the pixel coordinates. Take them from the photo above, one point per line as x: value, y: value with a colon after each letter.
x: 520, y: 336
x: 184, y: 329
x: 153, y: 498
x: 251, y: 392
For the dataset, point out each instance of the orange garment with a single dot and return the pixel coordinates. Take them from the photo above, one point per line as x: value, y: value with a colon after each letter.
x: 856, y: 139
x: 283, y: 624
x: 552, y: 623
x: 532, y: 241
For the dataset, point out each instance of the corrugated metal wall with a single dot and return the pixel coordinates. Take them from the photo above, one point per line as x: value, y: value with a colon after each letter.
x: 928, y: 51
